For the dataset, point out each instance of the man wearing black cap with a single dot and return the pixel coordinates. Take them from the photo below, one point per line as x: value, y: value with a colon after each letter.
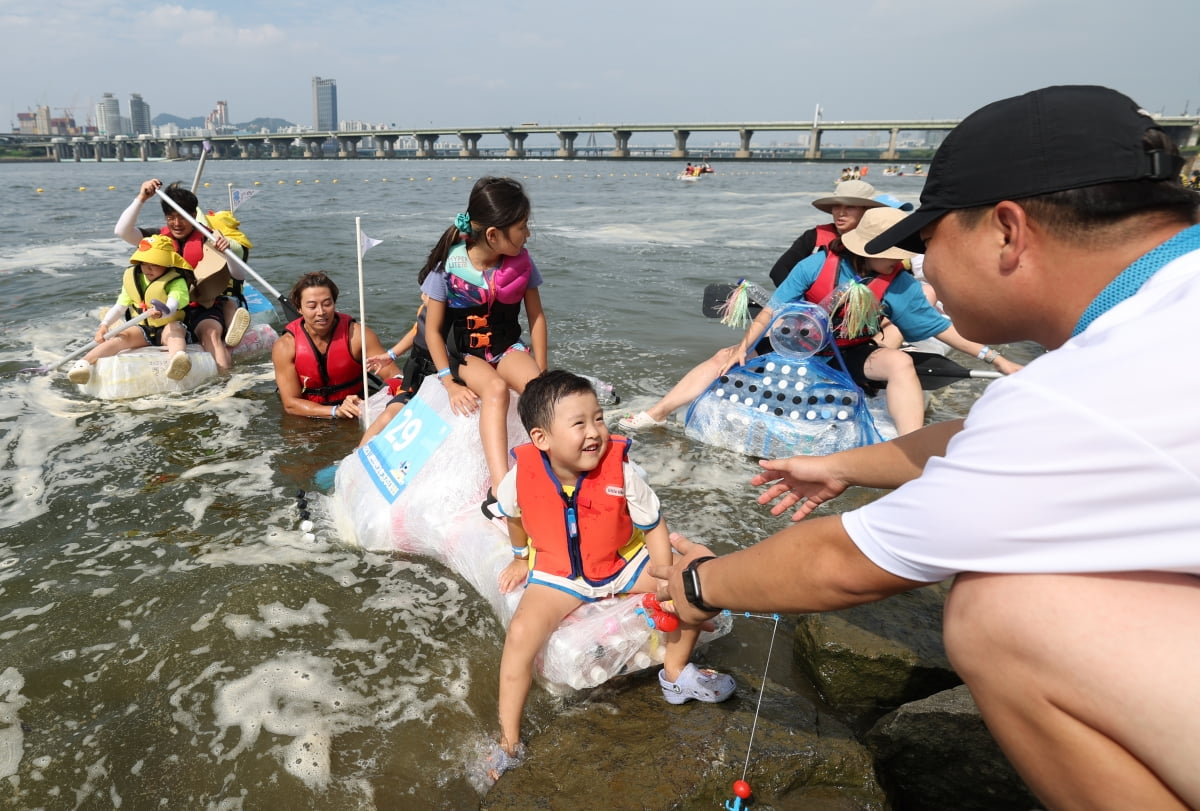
x: 1067, y: 505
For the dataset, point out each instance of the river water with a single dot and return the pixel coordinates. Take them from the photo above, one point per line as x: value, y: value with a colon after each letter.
x: 169, y: 638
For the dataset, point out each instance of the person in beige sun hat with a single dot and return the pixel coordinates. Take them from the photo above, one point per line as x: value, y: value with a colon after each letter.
x: 858, y: 291
x: 850, y: 199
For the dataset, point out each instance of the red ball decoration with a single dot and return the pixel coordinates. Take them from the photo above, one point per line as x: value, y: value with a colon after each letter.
x: 742, y: 789
x: 666, y: 622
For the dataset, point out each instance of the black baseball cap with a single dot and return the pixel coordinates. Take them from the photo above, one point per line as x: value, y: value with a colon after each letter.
x: 1052, y: 139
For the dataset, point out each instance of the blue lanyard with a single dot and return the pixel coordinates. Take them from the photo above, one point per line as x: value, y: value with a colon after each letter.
x: 1133, y: 277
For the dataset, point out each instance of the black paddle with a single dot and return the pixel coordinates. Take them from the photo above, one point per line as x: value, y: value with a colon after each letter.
x: 934, y: 370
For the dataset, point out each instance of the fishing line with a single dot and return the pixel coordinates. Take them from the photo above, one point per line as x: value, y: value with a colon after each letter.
x: 741, y: 788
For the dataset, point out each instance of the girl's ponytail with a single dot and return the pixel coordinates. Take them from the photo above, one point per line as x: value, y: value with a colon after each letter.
x: 439, y: 253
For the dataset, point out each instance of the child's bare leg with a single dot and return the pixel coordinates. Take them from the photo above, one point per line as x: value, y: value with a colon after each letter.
x: 540, y: 611
x: 517, y: 369
x: 905, y: 402
x: 131, y: 338
x: 175, y: 337
x: 680, y: 642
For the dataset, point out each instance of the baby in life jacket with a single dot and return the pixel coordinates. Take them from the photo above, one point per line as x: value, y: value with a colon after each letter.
x: 152, y: 286
x: 583, y: 526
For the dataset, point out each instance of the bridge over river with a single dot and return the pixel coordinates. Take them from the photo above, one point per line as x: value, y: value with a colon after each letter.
x: 425, y: 141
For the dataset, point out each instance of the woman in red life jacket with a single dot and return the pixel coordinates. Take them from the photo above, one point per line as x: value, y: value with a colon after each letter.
x: 318, y: 358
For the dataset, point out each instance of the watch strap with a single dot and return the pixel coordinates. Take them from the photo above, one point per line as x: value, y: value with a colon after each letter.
x: 691, y: 585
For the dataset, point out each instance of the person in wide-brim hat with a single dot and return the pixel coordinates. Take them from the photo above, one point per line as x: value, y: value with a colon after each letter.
x: 849, y: 200
x: 849, y: 193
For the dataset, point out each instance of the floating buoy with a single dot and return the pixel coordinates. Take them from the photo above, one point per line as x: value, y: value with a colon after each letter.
x: 206, y: 184
x: 39, y: 191
x: 256, y: 183
x: 335, y: 180
x: 318, y: 180
x: 110, y: 188
x: 83, y: 188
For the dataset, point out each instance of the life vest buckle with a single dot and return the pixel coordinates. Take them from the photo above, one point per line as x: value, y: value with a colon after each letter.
x: 479, y: 340
x: 477, y: 321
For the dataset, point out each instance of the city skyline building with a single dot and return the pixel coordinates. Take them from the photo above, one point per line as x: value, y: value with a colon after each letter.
x: 325, y: 117
x: 108, y: 116
x: 139, y: 115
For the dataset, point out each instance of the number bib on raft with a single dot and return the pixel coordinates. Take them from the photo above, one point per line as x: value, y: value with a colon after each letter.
x: 395, y: 456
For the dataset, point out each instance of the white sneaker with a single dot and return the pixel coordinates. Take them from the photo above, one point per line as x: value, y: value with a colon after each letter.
x: 237, y: 327
x: 80, y: 373
x: 180, y: 365
x: 640, y: 420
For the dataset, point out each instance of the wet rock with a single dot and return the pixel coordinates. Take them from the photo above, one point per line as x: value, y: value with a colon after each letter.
x: 936, y: 754
x: 647, y: 754
x: 867, y: 660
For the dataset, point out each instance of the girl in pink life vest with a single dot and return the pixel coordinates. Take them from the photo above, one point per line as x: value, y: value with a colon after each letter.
x: 477, y: 277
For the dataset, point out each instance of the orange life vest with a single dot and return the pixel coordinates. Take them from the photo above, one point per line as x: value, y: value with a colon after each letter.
x: 558, y: 524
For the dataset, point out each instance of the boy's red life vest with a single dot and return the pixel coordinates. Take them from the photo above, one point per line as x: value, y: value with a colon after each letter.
x: 331, y: 377
x: 578, y: 535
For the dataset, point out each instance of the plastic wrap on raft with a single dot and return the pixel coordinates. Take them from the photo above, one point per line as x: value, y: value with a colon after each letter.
x: 789, y: 401
x: 140, y: 372
x: 403, y: 497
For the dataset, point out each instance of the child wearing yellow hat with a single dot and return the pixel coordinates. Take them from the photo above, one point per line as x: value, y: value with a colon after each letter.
x: 152, y: 283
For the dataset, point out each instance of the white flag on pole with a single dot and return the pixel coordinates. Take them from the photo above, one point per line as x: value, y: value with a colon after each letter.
x: 365, y: 243
x: 240, y: 196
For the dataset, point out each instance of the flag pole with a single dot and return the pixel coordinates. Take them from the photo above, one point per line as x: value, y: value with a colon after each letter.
x: 364, y: 415
x: 230, y: 185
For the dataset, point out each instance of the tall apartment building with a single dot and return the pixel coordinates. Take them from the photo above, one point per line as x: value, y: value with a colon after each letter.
x: 139, y: 115
x: 325, y: 117
x: 108, y: 116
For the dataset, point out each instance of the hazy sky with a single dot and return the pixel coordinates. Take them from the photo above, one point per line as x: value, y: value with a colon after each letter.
x: 468, y: 62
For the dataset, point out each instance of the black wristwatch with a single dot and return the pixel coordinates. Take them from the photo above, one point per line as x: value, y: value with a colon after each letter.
x: 691, y: 585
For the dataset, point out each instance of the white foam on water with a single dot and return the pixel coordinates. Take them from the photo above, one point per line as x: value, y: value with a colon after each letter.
x: 295, y: 695
x: 12, y: 737
x: 276, y: 617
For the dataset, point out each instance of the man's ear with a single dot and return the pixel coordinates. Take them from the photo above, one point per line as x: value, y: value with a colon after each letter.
x: 1014, y: 225
x: 539, y: 438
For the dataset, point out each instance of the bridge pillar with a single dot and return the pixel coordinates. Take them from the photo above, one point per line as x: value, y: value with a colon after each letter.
x: 425, y: 145
x: 566, y: 144
x: 744, y: 150
x: 890, y: 153
x: 516, y: 144
x: 470, y: 144
x: 99, y: 149
x: 387, y: 146
x: 119, y: 147
x: 312, y: 145
x: 58, y: 148
x: 77, y: 149
x: 814, y: 144
x: 171, y: 149
x: 681, y: 137
x: 621, y: 149
x: 143, y: 148
x: 348, y: 146
x: 1193, y: 136
x: 281, y: 147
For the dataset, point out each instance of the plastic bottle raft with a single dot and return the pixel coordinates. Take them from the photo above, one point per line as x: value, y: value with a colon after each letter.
x: 416, y: 488
x: 789, y: 401
x: 139, y: 372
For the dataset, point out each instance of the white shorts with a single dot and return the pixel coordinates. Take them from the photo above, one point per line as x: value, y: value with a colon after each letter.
x: 577, y: 587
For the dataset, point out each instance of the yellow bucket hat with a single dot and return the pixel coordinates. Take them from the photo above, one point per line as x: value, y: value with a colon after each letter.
x: 227, y: 224
x: 159, y: 250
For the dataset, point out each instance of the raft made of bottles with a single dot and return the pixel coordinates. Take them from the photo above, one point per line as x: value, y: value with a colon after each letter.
x: 416, y: 489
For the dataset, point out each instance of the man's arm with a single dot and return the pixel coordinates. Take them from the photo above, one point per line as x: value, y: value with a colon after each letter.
x: 812, y: 480
x: 801, y: 569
